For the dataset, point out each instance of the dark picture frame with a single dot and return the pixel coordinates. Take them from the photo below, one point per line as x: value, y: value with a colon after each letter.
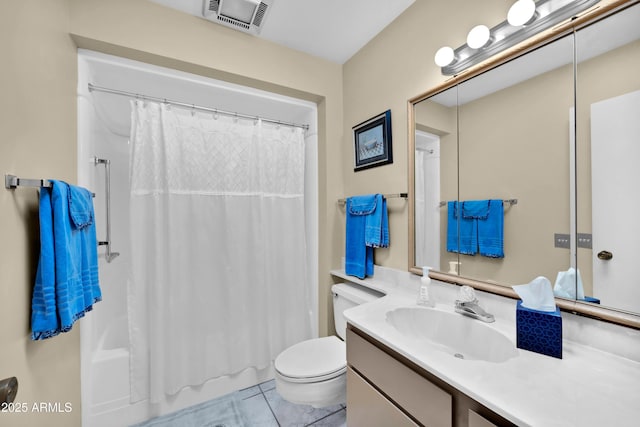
x: 372, y: 142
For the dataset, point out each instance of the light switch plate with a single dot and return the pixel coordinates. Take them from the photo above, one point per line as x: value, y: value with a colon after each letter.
x: 585, y: 241
x: 561, y: 241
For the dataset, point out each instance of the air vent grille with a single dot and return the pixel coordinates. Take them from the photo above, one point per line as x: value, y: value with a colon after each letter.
x: 214, y: 5
x: 235, y: 13
x: 233, y: 22
x: 262, y: 9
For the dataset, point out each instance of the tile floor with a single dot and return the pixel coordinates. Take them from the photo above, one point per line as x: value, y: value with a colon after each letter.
x: 263, y: 406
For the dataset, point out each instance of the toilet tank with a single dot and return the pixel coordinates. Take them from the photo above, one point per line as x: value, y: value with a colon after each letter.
x: 347, y: 295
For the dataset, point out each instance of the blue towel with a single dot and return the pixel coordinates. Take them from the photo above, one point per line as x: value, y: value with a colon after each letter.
x: 377, y: 225
x: 491, y: 231
x: 66, y: 285
x: 462, y: 233
x: 475, y: 209
x: 367, y: 227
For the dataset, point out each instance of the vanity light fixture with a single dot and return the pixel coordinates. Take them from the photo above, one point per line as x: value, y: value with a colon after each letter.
x: 525, y: 19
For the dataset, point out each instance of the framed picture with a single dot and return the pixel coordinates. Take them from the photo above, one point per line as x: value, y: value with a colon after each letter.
x: 372, y: 142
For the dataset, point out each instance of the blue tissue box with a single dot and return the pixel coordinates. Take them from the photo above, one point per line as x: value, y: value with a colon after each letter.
x: 539, y: 331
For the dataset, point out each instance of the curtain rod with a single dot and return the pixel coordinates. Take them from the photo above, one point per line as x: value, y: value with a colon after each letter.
x: 93, y: 87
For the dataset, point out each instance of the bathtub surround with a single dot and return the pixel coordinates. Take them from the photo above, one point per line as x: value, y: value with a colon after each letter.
x: 106, y: 124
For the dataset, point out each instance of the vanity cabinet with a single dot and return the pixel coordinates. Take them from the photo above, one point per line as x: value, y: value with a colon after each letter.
x: 384, y: 388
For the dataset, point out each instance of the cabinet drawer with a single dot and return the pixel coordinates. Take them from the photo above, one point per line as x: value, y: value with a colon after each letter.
x: 367, y: 407
x: 427, y: 403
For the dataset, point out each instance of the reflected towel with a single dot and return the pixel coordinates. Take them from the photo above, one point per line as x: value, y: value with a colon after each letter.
x: 460, y: 230
x: 366, y: 227
x: 66, y: 285
x: 475, y: 209
x: 491, y: 231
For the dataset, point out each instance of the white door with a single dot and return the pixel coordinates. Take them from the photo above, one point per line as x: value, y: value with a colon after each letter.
x: 615, y: 175
x: 427, y: 200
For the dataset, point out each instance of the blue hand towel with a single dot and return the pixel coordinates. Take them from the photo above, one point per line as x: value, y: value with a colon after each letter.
x: 475, y: 209
x: 67, y: 283
x: 377, y: 225
x: 462, y: 233
x: 491, y: 231
x: 367, y: 227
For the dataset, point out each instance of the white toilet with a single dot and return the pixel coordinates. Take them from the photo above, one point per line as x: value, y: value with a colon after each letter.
x: 313, y: 372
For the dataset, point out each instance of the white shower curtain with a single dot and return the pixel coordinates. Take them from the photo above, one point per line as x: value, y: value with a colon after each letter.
x: 218, y: 247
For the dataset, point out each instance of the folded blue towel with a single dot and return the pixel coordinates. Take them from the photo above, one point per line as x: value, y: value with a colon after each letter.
x: 475, y: 209
x: 66, y: 285
x: 491, y: 231
x: 367, y: 226
x: 462, y: 233
x: 377, y: 225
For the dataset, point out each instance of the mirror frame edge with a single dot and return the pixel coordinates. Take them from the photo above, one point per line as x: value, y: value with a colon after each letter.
x: 597, y: 12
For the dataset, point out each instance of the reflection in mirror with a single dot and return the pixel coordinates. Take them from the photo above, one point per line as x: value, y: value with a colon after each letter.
x: 608, y: 152
x: 514, y: 129
x: 513, y: 132
x: 436, y: 173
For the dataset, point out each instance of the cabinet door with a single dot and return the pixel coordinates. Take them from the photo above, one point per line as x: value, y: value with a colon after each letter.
x: 426, y: 402
x: 476, y: 420
x: 368, y: 408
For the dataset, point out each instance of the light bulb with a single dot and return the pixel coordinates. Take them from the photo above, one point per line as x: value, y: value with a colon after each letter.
x: 478, y: 36
x: 444, y: 56
x: 521, y: 12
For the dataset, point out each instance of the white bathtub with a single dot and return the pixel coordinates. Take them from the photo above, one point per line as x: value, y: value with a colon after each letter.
x: 110, y: 366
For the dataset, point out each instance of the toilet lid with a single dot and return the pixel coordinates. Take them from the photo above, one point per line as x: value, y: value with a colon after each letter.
x: 316, y: 359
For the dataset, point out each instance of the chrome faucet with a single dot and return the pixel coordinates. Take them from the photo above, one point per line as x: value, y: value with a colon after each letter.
x: 468, y: 305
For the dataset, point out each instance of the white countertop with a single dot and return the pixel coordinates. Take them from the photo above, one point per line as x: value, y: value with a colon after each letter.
x: 587, y: 387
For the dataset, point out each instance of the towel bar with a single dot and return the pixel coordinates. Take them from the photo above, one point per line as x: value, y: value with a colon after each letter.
x: 342, y: 202
x: 509, y: 202
x: 11, y: 182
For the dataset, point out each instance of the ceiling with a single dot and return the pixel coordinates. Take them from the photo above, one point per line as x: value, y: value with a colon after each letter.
x: 331, y: 29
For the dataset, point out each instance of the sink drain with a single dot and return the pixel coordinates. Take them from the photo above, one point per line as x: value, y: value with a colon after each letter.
x: 459, y: 355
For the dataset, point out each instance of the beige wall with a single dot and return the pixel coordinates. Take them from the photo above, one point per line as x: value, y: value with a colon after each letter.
x: 394, y: 67
x: 37, y: 120
x: 515, y: 144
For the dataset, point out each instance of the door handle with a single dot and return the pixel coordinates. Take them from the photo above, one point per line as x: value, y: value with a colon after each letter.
x: 605, y: 255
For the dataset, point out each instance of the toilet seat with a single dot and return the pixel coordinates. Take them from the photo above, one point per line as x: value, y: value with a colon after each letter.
x: 314, y: 360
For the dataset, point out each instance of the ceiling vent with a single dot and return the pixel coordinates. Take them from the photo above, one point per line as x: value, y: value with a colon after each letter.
x: 244, y: 15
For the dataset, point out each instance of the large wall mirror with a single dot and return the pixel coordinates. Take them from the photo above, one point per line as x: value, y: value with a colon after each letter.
x: 529, y: 167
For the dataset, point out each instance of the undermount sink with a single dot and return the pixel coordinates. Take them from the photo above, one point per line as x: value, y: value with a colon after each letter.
x: 461, y: 336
